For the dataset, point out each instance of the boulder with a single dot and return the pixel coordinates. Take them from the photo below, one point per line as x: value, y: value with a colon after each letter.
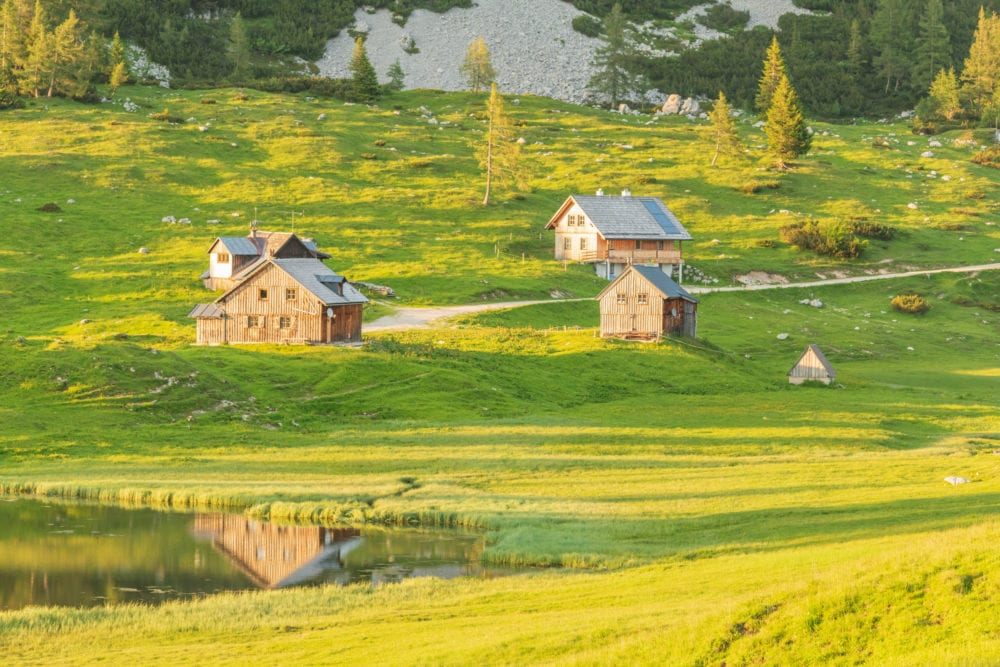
x: 672, y: 105
x: 690, y: 107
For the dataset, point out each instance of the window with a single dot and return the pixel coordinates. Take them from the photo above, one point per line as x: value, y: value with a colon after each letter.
x: 253, y: 322
x: 642, y: 299
x: 570, y: 220
x: 638, y: 245
x: 284, y: 322
x: 659, y: 245
x: 567, y: 243
x: 583, y: 243
x: 290, y: 294
x: 223, y: 258
x: 262, y: 294
x: 621, y: 298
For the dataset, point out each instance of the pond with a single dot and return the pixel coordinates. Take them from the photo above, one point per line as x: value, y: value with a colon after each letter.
x: 66, y: 554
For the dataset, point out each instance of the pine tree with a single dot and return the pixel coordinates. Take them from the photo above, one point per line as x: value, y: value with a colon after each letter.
x: 397, y: 77
x: 933, y: 46
x: 774, y: 72
x: 364, y: 80
x: 238, y: 48
x: 787, y: 133
x: 727, y: 141
x: 982, y: 68
x: 498, y: 153
x: 477, y: 67
x: 613, y: 79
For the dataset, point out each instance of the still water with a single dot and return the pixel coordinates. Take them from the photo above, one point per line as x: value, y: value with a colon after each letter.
x: 54, y: 553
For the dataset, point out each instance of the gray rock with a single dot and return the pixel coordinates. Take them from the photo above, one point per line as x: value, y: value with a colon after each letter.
x: 672, y: 105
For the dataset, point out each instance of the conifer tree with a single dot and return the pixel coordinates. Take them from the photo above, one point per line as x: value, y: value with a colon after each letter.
x: 238, y: 48
x: 477, y: 66
x: 66, y: 53
x: 774, y: 72
x: 944, y: 97
x: 933, y: 51
x: 364, y: 80
x: 613, y: 78
x: 119, y: 68
x: 38, y: 54
x: 787, y: 133
x: 892, y: 34
x: 498, y: 153
x: 982, y: 68
x: 397, y: 77
x: 727, y: 141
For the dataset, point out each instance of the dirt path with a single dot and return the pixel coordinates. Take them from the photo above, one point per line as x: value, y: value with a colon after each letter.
x: 421, y: 318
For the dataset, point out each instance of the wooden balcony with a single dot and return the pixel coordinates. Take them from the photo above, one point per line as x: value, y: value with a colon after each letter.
x: 632, y: 256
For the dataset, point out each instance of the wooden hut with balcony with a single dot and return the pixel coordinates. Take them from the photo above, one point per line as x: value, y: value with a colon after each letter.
x: 614, y: 232
x: 644, y: 303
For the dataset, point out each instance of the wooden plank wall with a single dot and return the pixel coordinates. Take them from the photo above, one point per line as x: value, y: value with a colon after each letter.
x: 618, y: 319
x: 809, y: 368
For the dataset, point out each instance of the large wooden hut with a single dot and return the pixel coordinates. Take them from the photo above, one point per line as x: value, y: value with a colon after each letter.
x: 812, y: 366
x: 297, y: 300
x: 644, y: 303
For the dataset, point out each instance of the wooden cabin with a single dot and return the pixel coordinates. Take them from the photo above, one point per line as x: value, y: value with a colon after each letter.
x: 812, y: 366
x: 295, y: 301
x: 232, y: 256
x: 644, y: 303
x: 613, y: 232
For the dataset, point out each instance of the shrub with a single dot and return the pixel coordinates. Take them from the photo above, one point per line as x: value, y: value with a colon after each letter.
x: 166, y: 117
x: 835, y: 240
x: 380, y: 142
x: 587, y: 25
x: 872, y: 230
x: 369, y: 156
x: 753, y: 187
x: 975, y: 194
x: 910, y: 303
x: 207, y: 100
x: 764, y: 243
x: 723, y: 18
x: 50, y: 208
x: 988, y: 157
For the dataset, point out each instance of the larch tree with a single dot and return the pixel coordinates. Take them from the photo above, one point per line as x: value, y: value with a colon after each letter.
x: 613, y: 78
x: 364, y: 81
x: 38, y: 54
x: 67, y: 54
x: 498, y: 153
x: 774, y: 72
x: 933, y: 51
x: 785, y: 127
x: 944, y: 96
x: 727, y: 141
x: 119, y: 68
x: 477, y: 68
x: 982, y: 68
x: 238, y: 48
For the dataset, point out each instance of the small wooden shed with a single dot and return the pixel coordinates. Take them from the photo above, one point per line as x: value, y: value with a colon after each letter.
x: 644, y: 303
x: 812, y: 366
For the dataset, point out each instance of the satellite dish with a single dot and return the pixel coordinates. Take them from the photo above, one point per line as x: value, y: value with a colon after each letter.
x: 329, y: 312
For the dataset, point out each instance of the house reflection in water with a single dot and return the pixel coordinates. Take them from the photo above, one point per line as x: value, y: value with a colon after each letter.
x: 274, y: 556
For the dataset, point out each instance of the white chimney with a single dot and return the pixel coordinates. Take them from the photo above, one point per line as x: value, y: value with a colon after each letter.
x: 626, y: 193
x: 600, y: 192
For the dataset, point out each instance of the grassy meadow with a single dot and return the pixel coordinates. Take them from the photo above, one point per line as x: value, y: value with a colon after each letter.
x: 681, y: 502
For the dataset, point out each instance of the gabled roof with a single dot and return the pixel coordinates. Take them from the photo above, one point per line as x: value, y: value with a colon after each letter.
x: 626, y: 217
x: 313, y: 275
x: 236, y: 245
x: 657, y: 279
x: 814, y: 349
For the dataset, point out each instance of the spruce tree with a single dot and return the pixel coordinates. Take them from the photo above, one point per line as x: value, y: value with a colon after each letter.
x: 364, y: 80
x: 477, y: 66
x: 613, y: 79
x: 498, y: 153
x: 397, y: 77
x: 774, y: 72
x: 787, y: 134
x: 893, y: 34
x: 933, y: 51
x: 238, y: 48
x: 727, y: 141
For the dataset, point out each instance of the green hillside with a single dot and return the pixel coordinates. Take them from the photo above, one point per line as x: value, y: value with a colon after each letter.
x: 701, y: 510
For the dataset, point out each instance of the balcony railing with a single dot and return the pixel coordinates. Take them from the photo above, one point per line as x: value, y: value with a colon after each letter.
x: 632, y: 256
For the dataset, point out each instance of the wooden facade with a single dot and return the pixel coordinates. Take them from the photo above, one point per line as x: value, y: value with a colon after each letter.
x: 614, y: 232
x: 288, y: 301
x: 271, y: 556
x: 812, y: 366
x: 644, y: 303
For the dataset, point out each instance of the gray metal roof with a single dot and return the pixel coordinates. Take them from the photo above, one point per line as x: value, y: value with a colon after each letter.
x: 664, y: 283
x: 320, y: 280
x: 206, y: 311
x: 632, y: 217
x: 239, y: 245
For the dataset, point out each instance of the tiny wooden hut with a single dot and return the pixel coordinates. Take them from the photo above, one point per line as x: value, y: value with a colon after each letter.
x: 644, y: 303
x: 812, y: 366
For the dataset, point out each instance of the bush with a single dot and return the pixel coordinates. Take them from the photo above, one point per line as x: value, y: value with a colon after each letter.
x: 988, y: 157
x: 166, y: 117
x: 753, y: 187
x: 910, y: 303
x: 872, y: 230
x: 723, y: 18
x: 834, y: 240
x: 587, y: 25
